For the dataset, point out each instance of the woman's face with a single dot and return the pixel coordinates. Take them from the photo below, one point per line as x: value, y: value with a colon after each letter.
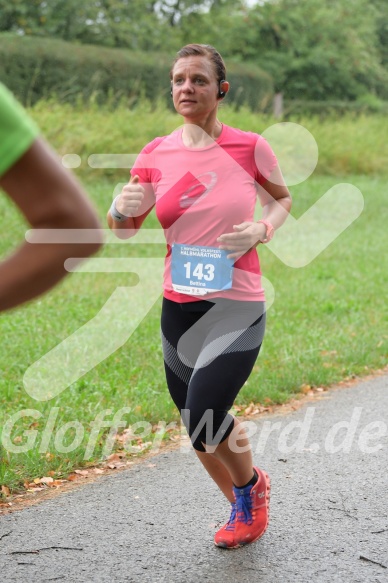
x: 194, y: 87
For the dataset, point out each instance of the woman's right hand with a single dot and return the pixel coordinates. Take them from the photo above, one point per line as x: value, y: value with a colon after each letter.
x: 129, y: 200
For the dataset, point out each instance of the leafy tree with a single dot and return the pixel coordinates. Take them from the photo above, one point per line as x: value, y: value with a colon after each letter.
x: 314, y: 49
x: 381, y: 8
x: 317, y: 50
x: 22, y: 16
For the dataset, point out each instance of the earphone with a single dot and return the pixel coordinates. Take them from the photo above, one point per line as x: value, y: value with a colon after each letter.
x: 221, y: 94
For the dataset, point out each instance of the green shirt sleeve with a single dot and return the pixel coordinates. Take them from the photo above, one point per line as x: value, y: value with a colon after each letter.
x: 17, y: 130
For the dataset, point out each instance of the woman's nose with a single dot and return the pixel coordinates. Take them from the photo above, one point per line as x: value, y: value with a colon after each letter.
x: 187, y: 86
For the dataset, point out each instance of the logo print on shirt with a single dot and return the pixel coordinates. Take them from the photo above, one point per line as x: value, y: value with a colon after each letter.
x: 207, y: 182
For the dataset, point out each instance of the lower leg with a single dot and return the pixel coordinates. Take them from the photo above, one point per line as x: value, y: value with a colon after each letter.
x: 218, y: 472
x: 235, y: 454
x: 227, y: 465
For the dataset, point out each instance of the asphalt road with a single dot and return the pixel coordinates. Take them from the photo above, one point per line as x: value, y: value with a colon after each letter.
x: 155, y: 523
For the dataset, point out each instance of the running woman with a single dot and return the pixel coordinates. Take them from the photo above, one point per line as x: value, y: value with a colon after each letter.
x: 204, y: 180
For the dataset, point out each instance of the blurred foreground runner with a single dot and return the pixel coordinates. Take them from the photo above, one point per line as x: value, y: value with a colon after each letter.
x: 49, y: 197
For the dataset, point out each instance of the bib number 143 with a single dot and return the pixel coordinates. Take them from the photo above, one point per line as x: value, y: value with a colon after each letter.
x: 200, y: 271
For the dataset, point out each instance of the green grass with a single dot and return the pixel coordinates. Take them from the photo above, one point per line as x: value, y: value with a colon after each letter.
x: 347, y: 145
x: 328, y: 322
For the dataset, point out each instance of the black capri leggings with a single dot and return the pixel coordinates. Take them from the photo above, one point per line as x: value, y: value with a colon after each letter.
x: 209, y: 351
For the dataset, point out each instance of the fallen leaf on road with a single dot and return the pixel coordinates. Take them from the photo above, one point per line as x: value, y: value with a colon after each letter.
x: 73, y: 477
x: 5, y: 490
x: 46, y: 480
x: 115, y: 457
x: 249, y: 409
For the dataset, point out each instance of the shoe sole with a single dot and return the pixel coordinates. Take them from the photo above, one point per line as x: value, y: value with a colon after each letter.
x: 267, y: 497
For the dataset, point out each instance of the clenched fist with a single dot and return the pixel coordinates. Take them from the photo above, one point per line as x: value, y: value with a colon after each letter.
x: 129, y: 200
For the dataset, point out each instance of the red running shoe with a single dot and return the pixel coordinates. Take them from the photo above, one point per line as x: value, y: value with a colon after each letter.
x: 225, y: 536
x: 250, y: 515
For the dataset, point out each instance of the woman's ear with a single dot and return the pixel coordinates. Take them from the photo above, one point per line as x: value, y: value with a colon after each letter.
x: 223, y: 88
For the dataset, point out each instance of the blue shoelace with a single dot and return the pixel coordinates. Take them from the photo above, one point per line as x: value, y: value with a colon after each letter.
x: 242, y: 508
x: 232, y: 519
x: 244, y: 504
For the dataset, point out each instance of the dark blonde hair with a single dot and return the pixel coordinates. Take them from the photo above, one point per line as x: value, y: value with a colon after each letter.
x: 202, y: 51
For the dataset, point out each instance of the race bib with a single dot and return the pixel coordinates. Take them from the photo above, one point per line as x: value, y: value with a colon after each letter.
x: 198, y: 271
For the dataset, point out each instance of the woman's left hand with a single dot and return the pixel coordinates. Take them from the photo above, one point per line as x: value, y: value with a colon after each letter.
x: 245, y: 236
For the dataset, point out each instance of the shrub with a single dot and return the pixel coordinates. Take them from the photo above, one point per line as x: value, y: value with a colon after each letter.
x: 39, y: 68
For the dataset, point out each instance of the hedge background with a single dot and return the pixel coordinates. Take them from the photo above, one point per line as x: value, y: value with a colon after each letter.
x: 39, y: 68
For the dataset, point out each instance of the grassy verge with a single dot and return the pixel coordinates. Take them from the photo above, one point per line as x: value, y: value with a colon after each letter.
x: 347, y: 145
x: 328, y: 322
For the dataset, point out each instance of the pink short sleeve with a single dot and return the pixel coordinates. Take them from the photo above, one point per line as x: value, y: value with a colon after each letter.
x: 265, y: 160
x: 144, y: 164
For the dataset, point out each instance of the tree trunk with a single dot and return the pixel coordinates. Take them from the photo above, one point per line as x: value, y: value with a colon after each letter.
x: 278, y: 105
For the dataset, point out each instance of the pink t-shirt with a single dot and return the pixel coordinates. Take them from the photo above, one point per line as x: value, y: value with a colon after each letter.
x: 200, y: 193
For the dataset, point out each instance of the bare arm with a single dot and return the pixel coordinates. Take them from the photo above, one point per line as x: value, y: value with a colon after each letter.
x: 275, y: 199
x: 124, y: 229
x: 276, y: 202
x: 50, y: 198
